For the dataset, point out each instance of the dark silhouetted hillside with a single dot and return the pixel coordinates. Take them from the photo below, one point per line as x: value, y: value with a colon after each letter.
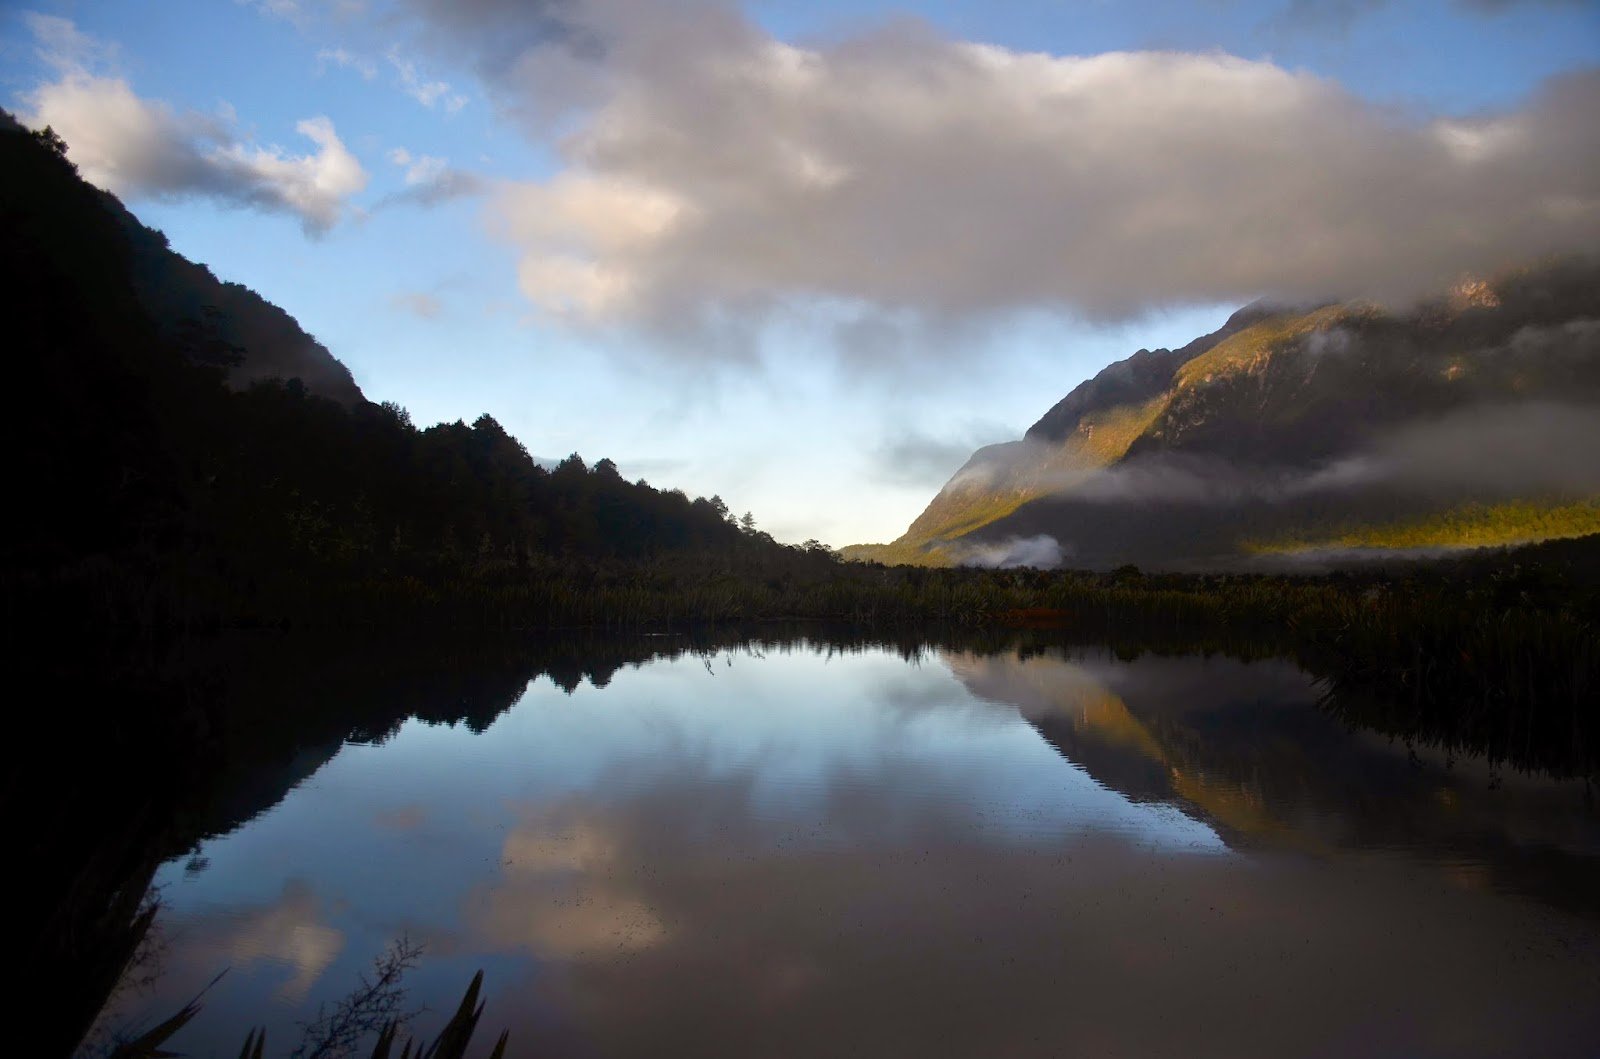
x: 166, y: 462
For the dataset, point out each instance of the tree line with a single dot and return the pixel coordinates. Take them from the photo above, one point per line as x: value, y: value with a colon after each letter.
x: 142, y: 470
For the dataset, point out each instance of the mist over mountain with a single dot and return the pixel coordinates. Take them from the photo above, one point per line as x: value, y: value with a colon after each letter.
x: 1469, y: 418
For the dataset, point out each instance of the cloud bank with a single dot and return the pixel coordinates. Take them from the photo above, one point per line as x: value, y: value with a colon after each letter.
x: 712, y: 173
x: 1525, y: 448
x: 1529, y: 448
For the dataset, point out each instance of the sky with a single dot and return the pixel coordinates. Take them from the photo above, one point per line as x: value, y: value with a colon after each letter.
x: 808, y: 256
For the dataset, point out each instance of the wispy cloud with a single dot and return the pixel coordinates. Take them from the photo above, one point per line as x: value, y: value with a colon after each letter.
x: 420, y: 304
x: 303, y: 13
x: 348, y: 60
x: 291, y: 11
x: 64, y: 48
x: 1481, y: 451
x: 432, y: 94
x: 1296, y: 23
x: 925, y: 459
x: 429, y: 180
x: 1042, y: 551
x: 1342, y: 14
x: 1526, y: 448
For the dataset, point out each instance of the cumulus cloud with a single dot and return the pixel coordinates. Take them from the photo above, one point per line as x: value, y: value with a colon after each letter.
x: 712, y: 172
x: 142, y: 148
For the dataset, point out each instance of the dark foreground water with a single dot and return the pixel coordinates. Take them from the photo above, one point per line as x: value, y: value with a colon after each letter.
x: 803, y: 851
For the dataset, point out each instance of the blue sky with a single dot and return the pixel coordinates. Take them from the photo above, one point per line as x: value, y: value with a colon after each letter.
x: 808, y: 256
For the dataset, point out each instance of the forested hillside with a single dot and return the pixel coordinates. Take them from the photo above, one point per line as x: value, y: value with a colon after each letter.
x: 165, y: 469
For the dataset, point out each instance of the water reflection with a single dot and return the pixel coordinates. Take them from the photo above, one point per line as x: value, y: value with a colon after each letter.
x: 793, y: 850
x: 1234, y: 745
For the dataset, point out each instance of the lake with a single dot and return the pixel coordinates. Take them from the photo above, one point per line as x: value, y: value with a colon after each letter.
x: 770, y: 848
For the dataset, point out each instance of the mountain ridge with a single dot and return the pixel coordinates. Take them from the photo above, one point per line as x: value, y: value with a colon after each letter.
x: 1285, y: 420
x: 172, y: 476
x: 250, y: 337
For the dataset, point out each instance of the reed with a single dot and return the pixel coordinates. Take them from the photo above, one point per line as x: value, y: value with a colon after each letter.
x: 452, y: 1041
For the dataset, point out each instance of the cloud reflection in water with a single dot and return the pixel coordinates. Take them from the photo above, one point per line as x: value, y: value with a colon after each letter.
x: 803, y: 854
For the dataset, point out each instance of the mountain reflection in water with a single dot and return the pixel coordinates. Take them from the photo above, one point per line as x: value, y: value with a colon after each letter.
x: 804, y: 850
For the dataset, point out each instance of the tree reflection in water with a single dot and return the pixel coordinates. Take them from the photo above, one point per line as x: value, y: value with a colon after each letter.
x: 673, y: 890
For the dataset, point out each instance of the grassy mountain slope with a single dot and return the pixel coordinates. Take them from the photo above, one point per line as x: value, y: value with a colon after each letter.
x: 1319, y: 425
x: 1471, y: 525
x: 1092, y: 427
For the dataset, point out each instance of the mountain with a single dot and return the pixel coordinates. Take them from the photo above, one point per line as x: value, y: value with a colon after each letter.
x: 268, y: 343
x: 257, y: 339
x: 180, y: 449
x: 1469, y: 419
x: 1241, y: 748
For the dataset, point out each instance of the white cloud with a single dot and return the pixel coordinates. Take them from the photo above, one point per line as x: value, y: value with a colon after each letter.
x: 422, y: 169
x: 302, y: 13
x: 1043, y: 552
x: 289, y: 932
x: 143, y: 148
x: 712, y: 173
x: 429, y: 180
x: 291, y: 11
x: 431, y: 94
x: 347, y: 60
x: 63, y: 46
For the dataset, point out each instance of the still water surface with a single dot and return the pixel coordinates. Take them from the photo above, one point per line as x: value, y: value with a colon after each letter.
x: 809, y: 852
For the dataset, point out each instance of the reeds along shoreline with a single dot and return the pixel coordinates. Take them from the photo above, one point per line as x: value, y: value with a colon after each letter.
x: 452, y: 1041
